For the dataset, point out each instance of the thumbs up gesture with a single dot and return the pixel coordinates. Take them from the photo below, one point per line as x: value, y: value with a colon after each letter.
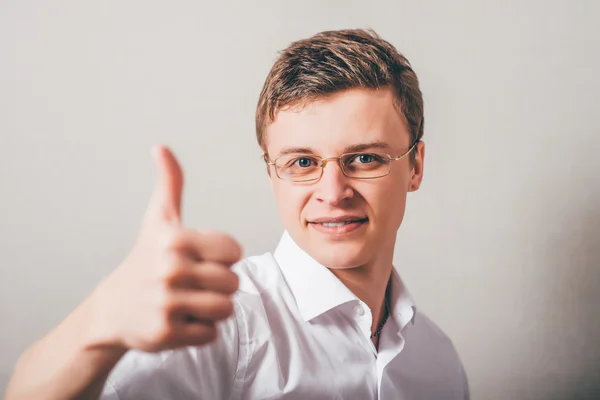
x: 175, y: 284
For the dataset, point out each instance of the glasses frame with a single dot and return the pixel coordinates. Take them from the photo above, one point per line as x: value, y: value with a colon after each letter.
x: 323, y: 162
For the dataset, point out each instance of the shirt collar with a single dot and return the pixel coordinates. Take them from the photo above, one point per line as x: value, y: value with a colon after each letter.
x: 403, y: 308
x: 307, y: 277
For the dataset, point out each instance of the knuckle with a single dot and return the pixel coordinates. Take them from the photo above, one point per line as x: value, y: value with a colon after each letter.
x: 166, y: 305
x: 172, y: 271
x: 205, y: 335
x: 225, y: 308
x: 172, y: 240
x: 211, y: 334
x: 238, y: 251
x: 226, y: 245
x: 162, y: 333
x: 207, y: 268
x: 234, y: 248
x: 158, y: 332
x: 231, y: 282
x: 215, y: 305
x: 215, y: 269
x: 217, y: 276
x: 235, y: 281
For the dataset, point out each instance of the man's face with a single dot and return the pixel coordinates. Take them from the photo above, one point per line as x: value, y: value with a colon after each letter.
x: 328, y: 127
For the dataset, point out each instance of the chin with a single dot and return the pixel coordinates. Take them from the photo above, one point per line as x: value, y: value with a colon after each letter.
x: 340, y: 255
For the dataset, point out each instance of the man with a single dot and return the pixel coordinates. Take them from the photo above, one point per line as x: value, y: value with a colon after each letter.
x: 340, y: 123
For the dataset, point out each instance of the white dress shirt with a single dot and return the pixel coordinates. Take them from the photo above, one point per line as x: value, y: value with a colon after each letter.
x: 300, y: 333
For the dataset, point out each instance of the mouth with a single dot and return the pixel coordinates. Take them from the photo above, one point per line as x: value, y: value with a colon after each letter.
x: 341, y: 223
x: 338, y: 226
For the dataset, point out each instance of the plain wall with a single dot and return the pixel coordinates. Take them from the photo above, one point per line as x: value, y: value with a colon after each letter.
x: 501, y: 246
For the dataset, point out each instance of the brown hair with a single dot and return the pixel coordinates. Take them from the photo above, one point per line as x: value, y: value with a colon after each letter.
x: 332, y: 61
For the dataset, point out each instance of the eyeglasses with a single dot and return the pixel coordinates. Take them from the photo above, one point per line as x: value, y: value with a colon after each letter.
x: 359, y: 165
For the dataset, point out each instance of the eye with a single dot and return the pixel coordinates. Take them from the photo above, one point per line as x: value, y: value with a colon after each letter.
x: 304, y: 162
x: 365, y: 158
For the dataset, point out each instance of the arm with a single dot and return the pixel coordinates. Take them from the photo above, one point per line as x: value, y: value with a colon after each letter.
x: 210, y: 371
x: 169, y: 293
x: 65, y: 364
x: 56, y: 368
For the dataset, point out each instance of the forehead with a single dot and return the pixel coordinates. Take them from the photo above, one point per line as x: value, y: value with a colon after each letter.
x: 347, y: 118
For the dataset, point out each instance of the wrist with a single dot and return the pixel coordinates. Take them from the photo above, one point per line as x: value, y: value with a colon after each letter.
x: 97, y: 332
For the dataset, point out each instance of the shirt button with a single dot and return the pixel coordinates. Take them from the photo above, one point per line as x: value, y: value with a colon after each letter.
x: 359, y: 310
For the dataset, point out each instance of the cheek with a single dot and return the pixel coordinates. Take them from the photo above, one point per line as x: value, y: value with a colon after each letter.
x: 388, y: 202
x: 290, y: 200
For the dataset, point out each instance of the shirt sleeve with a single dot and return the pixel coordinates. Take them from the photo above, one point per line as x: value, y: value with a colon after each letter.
x: 199, y: 372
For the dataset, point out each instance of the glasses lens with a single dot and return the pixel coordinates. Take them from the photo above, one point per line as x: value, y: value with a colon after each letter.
x: 298, y: 167
x: 366, y: 165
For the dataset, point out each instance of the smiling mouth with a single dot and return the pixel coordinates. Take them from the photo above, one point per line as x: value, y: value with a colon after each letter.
x: 339, y: 227
x: 340, y: 223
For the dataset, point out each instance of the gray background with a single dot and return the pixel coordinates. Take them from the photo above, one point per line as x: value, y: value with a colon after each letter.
x: 501, y: 246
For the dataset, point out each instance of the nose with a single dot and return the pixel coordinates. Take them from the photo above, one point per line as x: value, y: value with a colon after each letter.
x: 333, y: 188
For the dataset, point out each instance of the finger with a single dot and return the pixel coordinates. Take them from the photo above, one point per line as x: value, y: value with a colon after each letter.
x: 211, y: 246
x: 165, y: 204
x: 208, y: 275
x: 205, y: 306
x: 192, y: 334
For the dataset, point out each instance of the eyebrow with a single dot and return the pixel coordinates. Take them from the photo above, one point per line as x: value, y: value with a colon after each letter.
x: 376, y: 144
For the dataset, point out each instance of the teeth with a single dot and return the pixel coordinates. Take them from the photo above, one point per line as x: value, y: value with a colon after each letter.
x: 337, y: 223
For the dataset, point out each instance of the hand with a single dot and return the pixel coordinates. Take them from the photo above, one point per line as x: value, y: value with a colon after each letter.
x: 175, y: 284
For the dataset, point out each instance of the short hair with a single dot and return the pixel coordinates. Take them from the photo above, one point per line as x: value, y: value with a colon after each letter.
x: 332, y: 61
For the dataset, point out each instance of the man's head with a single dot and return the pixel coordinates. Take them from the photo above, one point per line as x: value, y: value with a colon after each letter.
x: 339, y: 93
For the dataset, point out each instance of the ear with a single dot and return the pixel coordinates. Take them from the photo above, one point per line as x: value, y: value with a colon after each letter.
x: 269, y: 173
x: 266, y: 160
x: 417, y: 168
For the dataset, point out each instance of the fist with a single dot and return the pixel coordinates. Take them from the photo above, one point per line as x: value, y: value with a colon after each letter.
x: 175, y: 285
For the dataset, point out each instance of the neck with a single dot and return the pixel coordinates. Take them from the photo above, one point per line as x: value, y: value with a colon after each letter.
x: 369, y: 283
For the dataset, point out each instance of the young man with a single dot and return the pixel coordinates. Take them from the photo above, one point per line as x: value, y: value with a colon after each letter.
x: 340, y: 122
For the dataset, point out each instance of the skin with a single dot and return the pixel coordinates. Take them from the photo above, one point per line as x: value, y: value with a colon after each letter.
x: 174, y: 272
x: 362, y: 259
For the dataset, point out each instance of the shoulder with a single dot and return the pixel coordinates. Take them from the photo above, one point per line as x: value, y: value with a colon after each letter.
x: 210, y: 370
x: 260, y: 290
x: 261, y: 295
x: 434, y: 352
x: 190, y: 372
x: 258, y: 274
x: 430, y: 331
x: 429, y: 338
